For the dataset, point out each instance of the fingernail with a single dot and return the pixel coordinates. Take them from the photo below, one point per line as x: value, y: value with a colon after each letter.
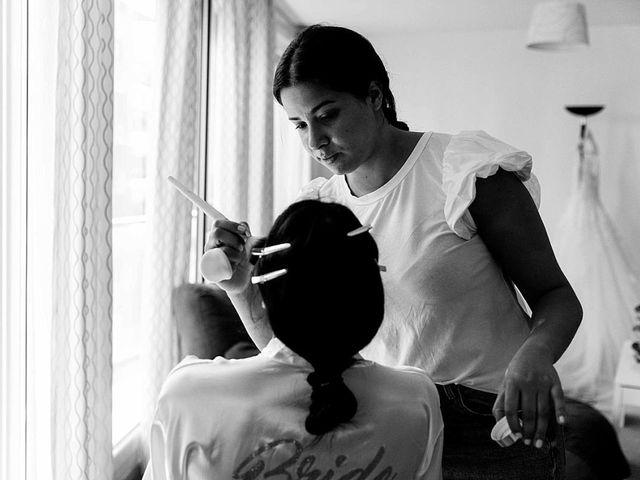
x: 241, y: 228
x: 527, y: 441
x: 561, y: 420
x: 518, y: 435
x: 538, y: 443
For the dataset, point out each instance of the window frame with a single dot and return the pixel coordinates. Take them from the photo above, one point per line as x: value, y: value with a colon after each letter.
x: 129, y: 454
x: 13, y: 237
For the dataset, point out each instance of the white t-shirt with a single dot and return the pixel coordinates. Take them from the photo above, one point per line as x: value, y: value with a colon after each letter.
x: 244, y: 419
x: 448, y: 308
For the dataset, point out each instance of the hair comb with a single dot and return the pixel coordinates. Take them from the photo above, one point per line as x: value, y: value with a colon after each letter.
x: 261, y: 252
x: 268, y: 276
x: 359, y: 230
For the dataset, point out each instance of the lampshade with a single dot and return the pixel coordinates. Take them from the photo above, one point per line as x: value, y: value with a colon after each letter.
x: 558, y: 25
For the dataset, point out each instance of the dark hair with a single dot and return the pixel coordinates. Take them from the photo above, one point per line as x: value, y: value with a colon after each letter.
x: 330, y: 303
x: 339, y: 59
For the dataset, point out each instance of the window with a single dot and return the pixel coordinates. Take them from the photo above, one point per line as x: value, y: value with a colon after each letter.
x: 135, y: 58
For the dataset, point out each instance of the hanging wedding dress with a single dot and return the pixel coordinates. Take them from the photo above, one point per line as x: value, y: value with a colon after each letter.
x: 591, y: 257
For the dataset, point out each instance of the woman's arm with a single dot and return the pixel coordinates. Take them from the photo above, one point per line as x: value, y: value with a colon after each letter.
x: 509, y: 224
x: 248, y: 304
x: 232, y: 238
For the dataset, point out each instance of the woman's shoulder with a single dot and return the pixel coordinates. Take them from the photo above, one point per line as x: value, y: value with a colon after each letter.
x: 477, y: 146
x: 321, y: 188
x: 193, y: 363
x: 407, y: 379
x: 194, y: 373
x: 475, y: 154
x: 468, y: 142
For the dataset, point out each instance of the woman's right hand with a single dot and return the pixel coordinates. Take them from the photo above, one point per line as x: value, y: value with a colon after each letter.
x: 236, y: 242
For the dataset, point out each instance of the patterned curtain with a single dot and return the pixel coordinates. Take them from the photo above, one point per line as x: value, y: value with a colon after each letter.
x: 82, y: 284
x: 240, y: 137
x: 177, y: 155
x: 242, y: 143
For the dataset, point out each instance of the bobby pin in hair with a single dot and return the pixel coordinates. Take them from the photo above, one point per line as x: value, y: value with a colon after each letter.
x: 359, y: 230
x: 382, y: 268
x: 260, y: 252
x: 268, y: 276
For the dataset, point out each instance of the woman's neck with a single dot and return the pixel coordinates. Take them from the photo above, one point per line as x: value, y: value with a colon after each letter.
x: 391, y: 152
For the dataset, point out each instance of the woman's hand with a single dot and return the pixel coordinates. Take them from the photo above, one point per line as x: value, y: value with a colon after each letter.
x: 236, y: 242
x: 531, y: 395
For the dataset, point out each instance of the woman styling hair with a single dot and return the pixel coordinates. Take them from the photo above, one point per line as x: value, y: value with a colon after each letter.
x: 455, y: 218
x: 308, y: 406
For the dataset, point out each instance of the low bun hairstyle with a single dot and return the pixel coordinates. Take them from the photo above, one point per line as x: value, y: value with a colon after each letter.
x: 330, y: 303
x: 339, y: 59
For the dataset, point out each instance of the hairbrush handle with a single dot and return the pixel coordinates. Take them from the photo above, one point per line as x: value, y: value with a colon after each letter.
x: 208, y: 209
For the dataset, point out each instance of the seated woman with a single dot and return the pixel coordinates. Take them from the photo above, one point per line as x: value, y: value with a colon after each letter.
x: 308, y: 406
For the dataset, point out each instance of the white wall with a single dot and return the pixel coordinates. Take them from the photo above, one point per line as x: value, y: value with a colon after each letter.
x: 488, y: 80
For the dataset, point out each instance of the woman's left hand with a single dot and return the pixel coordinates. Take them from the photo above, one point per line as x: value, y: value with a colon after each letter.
x: 510, y: 226
x: 531, y: 395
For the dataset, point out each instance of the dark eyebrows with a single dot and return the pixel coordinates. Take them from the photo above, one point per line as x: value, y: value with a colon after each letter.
x: 316, y: 108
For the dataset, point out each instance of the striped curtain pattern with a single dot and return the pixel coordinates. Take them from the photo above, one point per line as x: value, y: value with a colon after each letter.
x: 82, y: 284
x: 240, y: 137
x: 167, y: 265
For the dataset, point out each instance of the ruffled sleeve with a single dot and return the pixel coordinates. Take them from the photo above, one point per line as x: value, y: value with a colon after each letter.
x: 472, y: 154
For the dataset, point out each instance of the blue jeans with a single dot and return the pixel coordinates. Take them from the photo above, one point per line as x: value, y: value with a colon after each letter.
x: 470, y: 453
